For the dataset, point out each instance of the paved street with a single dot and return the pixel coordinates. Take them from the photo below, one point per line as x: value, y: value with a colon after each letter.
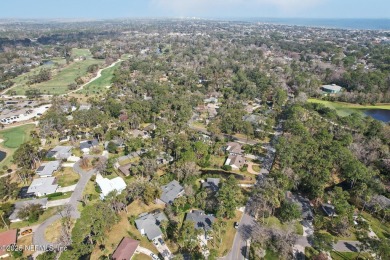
x: 39, y: 234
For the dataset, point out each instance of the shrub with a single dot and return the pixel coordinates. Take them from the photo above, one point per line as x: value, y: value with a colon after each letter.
x: 227, y: 167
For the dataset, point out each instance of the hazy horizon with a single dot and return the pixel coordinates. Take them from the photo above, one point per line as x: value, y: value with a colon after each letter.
x: 216, y: 9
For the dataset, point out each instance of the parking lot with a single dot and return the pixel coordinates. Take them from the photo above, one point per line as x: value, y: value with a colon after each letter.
x: 15, y: 111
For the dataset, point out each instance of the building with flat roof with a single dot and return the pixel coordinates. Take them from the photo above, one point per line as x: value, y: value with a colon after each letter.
x: 332, y: 89
x: 43, y: 186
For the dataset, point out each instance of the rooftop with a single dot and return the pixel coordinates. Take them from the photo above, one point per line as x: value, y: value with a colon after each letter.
x: 125, y: 249
x: 7, y: 238
x: 47, y: 169
x: 211, y: 183
x: 106, y: 185
x: 20, y: 204
x: 233, y: 147
x: 148, y: 224
x: 171, y: 191
x: 43, y: 186
x: 200, y: 219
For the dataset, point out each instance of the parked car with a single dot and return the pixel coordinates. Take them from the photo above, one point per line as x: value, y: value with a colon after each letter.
x: 236, y: 224
x: 161, y: 241
x: 26, y: 232
x: 154, y: 257
x: 155, y: 242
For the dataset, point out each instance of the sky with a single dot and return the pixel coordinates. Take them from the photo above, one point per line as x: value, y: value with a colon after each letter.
x: 105, y: 9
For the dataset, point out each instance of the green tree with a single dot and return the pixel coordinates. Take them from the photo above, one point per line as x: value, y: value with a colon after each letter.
x: 289, y: 211
x: 323, y: 241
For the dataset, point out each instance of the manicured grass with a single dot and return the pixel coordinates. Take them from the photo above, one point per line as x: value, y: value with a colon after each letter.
x: 60, y: 81
x: 66, y: 177
x: 345, y: 109
x: 76, y: 53
x: 141, y: 256
x: 275, y: 222
x: 100, y: 85
x: 382, y: 230
x: 349, y: 256
x: 13, y: 138
x: 256, y: 168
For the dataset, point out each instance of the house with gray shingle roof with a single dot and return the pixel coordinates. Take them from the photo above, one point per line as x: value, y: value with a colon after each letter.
x: 21, y: 204
x: 211, y: 183
x: 171, y: 191
x: 43, y: 186
x: 149, y: 224
x: 200, y: 219
x: 60, y: 152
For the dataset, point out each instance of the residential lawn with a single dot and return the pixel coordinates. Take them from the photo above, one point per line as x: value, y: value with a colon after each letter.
x: 66, y: 177
x: 60, y: 81
x: 275, y: 222
x: 382, y: 230
x: 137, y: 207
x: 345, y: 109
x: 90, y: 189
x: 13, y: 138
x: 217, y: 161
x: 199, y: 125
x: 99, y: 85
x: 271, y: 255
x: 63, y: 196
x: 228, y: 237
x: 349, y: 256
x: 141, y: 257
x: 46, y: 214
x: 256, y: 168
x: 120, y: 230
x: 26, y: 241
x: 53, y: 232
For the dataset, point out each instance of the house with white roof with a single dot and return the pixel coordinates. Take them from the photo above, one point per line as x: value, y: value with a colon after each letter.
x: 60, y: 152
x: 43, y: 186
x: 106, y: 185
x: 47, y: 169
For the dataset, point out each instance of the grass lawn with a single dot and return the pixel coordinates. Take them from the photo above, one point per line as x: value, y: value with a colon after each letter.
x: 141, y: 257
x: 26, y: 241
x: 46, y: 214
x: 76, y: 53
x: 275, y: 222
x: 13, y: 138
x: 382, y: 230
x: 310, y: 252
x: 228, y: 237
x: 345, y: 109
x: 60, y: 81
x: 256, y: 168
x: 348, y: 256
x: 53, y: 232
x: 271, y: 255
x: 100, y: 85
x: 67, y: 177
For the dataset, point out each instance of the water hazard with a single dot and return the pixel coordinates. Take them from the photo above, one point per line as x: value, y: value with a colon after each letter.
x: 379, y: 114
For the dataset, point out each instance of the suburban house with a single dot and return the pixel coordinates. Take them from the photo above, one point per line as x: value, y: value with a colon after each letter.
x: 85, y: 146
x: 211, y: 183
x: 331, y: 89
x: 236, y: 161
x: 171, y: 191
x: 150, y: 127
x: 380, y: 201
x: 60, y: 152
x: 125, y: 169
x: 328, y: 209
x: 126, y: 249
x: 7, y: 238
x: 21, y: 204
x: 47, y: 169
x: 200, y: 219
x: 43, y: 186
x: 234, y: 148
x: 164, y: 158
x: 106, y: 185
x: 140, y: 133
x: 149, y: 224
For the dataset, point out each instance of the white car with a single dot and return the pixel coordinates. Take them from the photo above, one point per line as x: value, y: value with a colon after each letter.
x: 154, y: 257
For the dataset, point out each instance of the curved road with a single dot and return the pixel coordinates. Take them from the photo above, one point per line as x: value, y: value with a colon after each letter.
x: 39, y: 234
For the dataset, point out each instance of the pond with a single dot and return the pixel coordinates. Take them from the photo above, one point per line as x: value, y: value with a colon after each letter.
x: 2, y: 155
x: 379, y: 114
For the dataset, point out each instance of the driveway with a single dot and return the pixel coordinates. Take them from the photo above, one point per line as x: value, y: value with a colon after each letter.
x: 67, y: 188
x: 85, y: 176
x: 250, y: 168
x: 56, y: 203
x: 144, y: 251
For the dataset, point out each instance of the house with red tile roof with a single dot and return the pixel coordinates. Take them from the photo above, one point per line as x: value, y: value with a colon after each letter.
x: 126, y: 249
x: 6, y: 239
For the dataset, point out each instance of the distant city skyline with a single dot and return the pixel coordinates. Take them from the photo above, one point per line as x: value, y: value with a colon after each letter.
x: 106, y: 9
